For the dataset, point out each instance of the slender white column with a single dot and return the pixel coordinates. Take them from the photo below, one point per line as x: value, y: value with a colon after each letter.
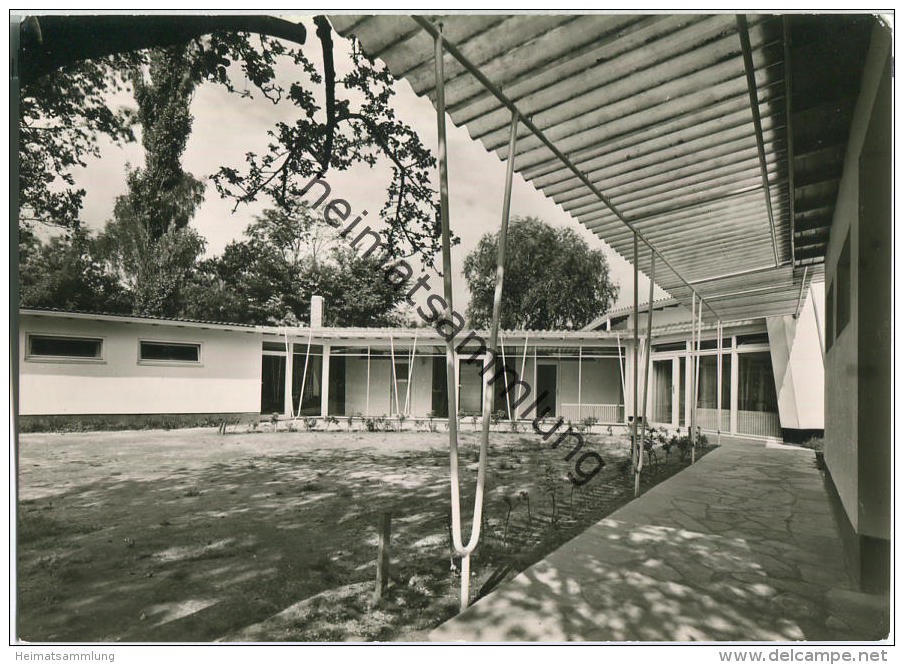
x: 367, y: 387
x: 719, y: 381
x: 733, y: 415
x: 676, y: 391
x: 325, y: 383
x: 580, y: 358
x: 288, y: 407
x: 537, y: 409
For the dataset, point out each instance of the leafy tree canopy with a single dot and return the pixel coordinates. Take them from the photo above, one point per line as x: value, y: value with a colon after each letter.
x: 65, y: 273
x: 270, y: 276
x: 63, y: 113
x: 148, y: 244
x: 553, y: 280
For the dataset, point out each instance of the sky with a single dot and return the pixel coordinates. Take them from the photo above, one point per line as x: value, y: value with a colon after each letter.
x: 227, y: 126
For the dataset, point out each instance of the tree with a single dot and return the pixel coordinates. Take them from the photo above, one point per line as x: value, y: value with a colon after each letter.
x: 553, y: 280
x: 269, y: 277
x: 154, y: 270
x: 65, y: 273
x: 61, y: 117
x: 268, y: 274
x: 359, y: 291
x: 355, y: 124
x: 162, y: 196
x: 148, y: 244
x: 68, y: 67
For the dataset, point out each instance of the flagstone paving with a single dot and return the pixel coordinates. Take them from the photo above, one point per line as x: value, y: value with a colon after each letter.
x: 742, y: 546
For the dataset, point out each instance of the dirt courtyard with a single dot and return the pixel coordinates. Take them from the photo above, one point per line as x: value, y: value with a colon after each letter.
x: 189, y: 535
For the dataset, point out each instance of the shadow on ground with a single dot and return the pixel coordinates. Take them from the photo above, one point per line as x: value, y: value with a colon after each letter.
x: 192, y: 537
x: 741, y: 547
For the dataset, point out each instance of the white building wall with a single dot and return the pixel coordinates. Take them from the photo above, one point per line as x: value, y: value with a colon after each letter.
x: 857, y: 451
x: 356, y: 386
x: 422, y: 387
x: 228, y: 379
x: 797, y: 366
x: 600, y: 381
x: 356, y: 400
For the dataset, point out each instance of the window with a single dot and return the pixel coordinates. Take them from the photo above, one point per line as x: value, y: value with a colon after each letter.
x: 830, y: 315
x: 400, y: 396
x: 307, y: 402
x: 756, y: 385
x: 756, y: 338
x: 672, y: 346
x: 843, y: 290
x: 709, y: 380
x: 53, y: 347
x: 713, y: 344
x: 169, y: 352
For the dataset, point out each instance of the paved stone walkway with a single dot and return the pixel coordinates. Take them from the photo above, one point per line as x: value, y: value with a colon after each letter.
x: 742, y: 546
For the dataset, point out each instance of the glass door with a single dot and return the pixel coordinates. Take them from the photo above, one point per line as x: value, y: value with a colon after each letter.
x: 662, y: 391
x: 273, y: 384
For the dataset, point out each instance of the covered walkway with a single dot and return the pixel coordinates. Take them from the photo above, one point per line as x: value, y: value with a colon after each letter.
x: 742, y: 546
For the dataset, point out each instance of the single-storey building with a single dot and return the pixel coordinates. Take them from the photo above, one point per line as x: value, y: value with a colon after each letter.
x: 82, y: 366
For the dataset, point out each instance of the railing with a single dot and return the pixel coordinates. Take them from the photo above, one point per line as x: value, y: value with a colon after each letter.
x: 709, y: 419
x: 759, y: 423
x: 604, y: 413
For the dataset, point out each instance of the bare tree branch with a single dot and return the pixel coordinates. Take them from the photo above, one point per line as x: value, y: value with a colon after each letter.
x: 51, y: 42
x: 325, y: 33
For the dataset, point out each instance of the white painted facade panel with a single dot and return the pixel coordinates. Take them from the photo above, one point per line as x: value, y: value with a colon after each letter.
x: 226, y: 380
x: 798, y: 369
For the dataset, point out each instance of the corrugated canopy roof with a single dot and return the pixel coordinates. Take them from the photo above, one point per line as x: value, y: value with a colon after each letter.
x: 657, y: 113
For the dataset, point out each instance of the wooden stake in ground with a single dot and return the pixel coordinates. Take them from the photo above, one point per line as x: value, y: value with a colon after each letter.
x: 382, y: 557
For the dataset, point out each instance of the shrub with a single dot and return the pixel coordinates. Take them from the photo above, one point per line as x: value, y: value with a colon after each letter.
x: 668, y: 442
x: 684, y: 446
x: 550, y: 486
x: 650, y: 439
x: 816, y: 443
x: 586, y: 424
x: 624, y: 467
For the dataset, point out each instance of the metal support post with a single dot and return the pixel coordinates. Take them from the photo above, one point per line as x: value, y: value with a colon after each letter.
x: 719, y: 381
x: 636, y: 363
x: 646, y: 374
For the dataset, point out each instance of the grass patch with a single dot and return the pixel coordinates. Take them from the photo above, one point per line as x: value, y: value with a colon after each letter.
x: 297, y: 516
x: 32, y: 527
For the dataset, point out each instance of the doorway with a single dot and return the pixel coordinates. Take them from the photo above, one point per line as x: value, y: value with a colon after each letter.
x: 470, y: 387
x: 273, y: 384
x: 439, y: 399
x: 546, y: 390
x: 662, y: 389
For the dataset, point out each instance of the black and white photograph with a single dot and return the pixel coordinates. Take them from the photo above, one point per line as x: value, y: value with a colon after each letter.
x: 451, y: 327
